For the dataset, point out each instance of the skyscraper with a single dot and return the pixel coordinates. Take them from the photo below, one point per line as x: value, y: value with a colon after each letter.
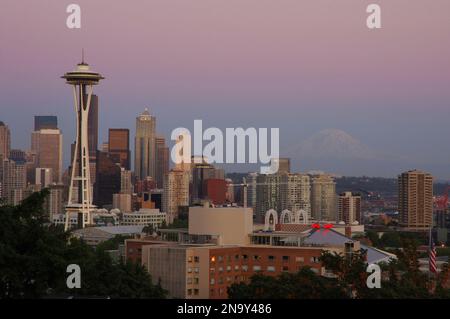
x: 119, y: 143
x: 55, y: 201
x: 349, y: 208
x: 144, y: 152
x: 14, y: 180
x: 47, y: 145
x: 162, y: 160
x: 323, y: 198
x: 176, y: 191
x: 5, y: 140
x: 295, y: 192
x: 108, y: 181
x: 49, y: 122
x: 126, y: 185
x: 267, y: 194
x: 201, y: 172
x: 415, y: 199
x: 92, y: 126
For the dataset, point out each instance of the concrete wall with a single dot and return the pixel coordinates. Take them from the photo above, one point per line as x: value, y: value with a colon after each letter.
x: 233, y: 224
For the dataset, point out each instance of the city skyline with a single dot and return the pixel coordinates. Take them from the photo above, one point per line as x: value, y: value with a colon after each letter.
x: 199, y: 73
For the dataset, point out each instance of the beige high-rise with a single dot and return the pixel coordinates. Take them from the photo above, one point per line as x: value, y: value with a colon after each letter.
x: 349, y: 208
x: 47, y: 144
x: 5, y: 140
x: 296, y: 193
x: 145, y: 150
x: 176, y: 191
x: 14, y: 181
x: 415, y: 199
x: 323, y: 198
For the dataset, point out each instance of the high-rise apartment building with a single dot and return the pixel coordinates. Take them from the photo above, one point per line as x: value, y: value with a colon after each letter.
x: 126, y: 184
x: 46, y: 122
x: 119, y: 143
x: 176, y: 191
x: 14, y: 180
x: 323, y: 198
x: 415, y: 199
x: 144, y: 153
x: 56, y: 200
x: 295, y: 192
x: 5, y: 140
x: 349, y: 208
x: 267, y: 194
x: 47, y: 145
x: 162, y: 160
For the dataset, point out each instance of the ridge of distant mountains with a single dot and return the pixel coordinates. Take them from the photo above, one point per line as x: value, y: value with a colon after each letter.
x: 336, y: 151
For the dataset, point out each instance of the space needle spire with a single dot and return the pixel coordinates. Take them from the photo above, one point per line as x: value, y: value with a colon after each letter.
x: 82, y: 81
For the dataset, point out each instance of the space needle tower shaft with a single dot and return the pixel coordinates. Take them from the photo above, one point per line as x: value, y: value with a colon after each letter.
x: 82, y: 81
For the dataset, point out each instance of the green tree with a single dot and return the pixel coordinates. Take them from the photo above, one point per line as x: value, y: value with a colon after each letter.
x: 34, y: 257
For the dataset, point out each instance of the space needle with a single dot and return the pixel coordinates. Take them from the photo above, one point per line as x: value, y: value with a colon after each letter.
x: 82, y: 81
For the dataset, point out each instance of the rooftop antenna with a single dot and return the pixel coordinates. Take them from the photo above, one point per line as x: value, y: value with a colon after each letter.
x: 82, y: 56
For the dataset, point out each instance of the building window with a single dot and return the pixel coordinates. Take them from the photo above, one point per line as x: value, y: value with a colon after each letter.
x: 315, y: 260
x: 244, y: 267
x: 271, y: 258
x: 196, y: 270
x: 236, y: 257
x: 285, y: 268
x: 228, y: 268
x: 196, y: 259
x: 196, y: 292
x: 220, y: 280
x: 212, y: 270
x: 228, y: 279
x: 245, y: 257
x: 300, y: 259
x: 285, y: 258
x: 189, y: 270
x: 271, y: 268
x: 189, y: 259
x: 256, y: 268
x: 220, y: 258
x: 220, y: 269
x: 189, y: 292
x: 236, y: 268
x: 189, y: 280
x: 196, y: 280
x: 256, y: 257
x: 213, y: 259
x: 212, y: 281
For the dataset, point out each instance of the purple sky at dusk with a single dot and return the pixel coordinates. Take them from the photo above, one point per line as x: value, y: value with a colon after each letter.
x: 302, y: 66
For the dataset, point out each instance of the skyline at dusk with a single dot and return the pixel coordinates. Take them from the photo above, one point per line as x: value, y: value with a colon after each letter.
x: 302, y: 66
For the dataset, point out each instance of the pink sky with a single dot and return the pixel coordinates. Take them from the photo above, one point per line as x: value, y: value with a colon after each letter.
x: 285, y: 63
